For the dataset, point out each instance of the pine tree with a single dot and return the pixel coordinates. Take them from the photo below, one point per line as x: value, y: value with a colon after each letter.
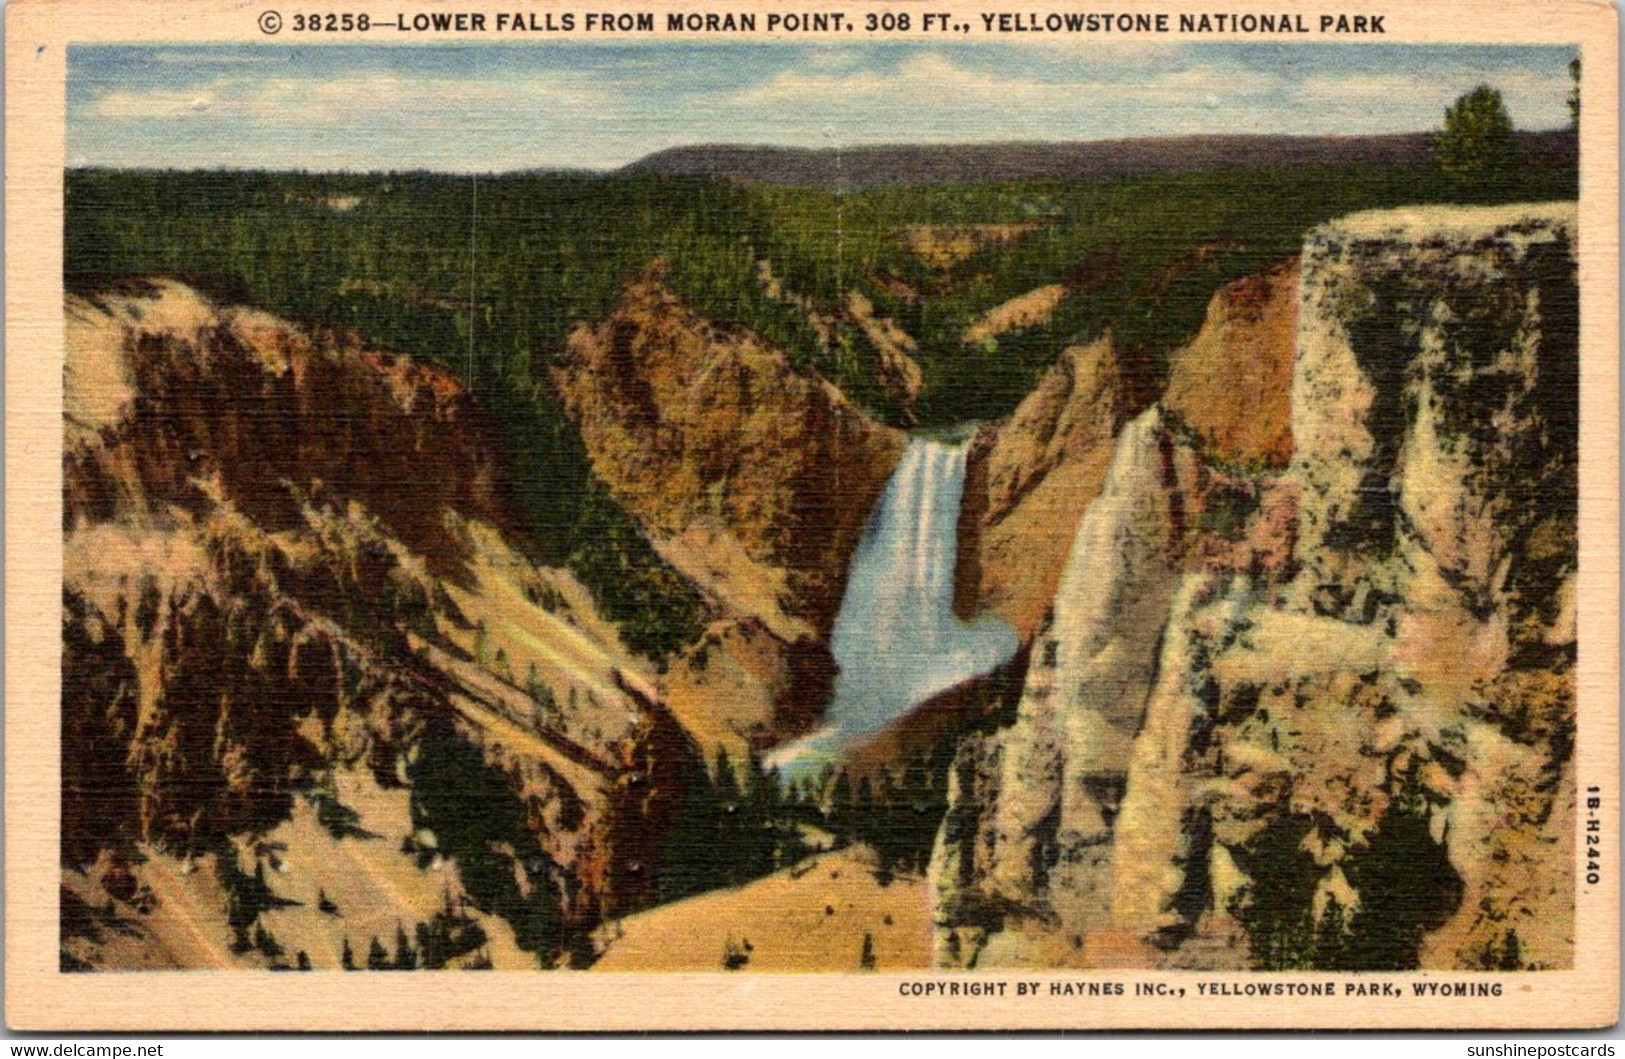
x: 545, y: 709
x: 1476, y: 145
x: 732, y: 827
x: 884, y: 831
x: 1511, y: 958
x: 347, y: 958
x: 866, y: 959
x: 726, y: 781
x: 1574, y: 94
x: 762, y: 798
x: 266, y: 942
x: 840, y: 807
x: 919, y: 816
x: 377, y: 956
x: 1331, y: 941
x: 864, y: 805
x: 406, y: 958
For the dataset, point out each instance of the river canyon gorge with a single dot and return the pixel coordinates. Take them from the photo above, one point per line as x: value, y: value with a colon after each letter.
x: 1258, y: 657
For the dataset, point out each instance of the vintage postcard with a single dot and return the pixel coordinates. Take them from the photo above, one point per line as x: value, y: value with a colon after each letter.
x: 839, y: 516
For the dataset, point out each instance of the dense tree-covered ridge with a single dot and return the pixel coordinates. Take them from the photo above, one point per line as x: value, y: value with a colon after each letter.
x: 487, y: 276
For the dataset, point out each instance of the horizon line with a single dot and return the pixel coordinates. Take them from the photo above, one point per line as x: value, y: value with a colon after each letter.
x: 625, y: 167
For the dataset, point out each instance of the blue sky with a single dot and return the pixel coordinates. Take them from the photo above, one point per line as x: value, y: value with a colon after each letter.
x: 485, y: 107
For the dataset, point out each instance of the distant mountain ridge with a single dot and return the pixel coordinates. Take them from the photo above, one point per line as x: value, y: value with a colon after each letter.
x: 866, y: 167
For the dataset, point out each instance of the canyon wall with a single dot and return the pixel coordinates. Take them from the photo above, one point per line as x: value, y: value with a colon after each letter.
x: 1032, y: 477
x: 1029, y: 481
x: 1318, y: 715
x: 1299, y: 636
x: 751, y: 478
x: 300, y: 641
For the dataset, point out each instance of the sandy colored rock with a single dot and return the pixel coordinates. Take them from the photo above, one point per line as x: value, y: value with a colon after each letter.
x: 741, y: 687
x: 1028, y: 483
x: 1024, y: 311
x: 1232, y: 385
x: 942, y: 246
x: 691, y: 425
x: 261, y: 603
x: 1355, y: 751
x: 811, y: 916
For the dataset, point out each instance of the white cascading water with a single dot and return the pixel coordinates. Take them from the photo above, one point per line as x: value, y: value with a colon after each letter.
x: 896, y: 638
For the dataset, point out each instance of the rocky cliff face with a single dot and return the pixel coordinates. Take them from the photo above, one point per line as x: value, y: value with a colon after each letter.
x: 1028, y: 482
x: 1319, y: 716
x: 753, y: 479
x: 1032, y: 478
x: 299, y: 644
x: 1232, y: 385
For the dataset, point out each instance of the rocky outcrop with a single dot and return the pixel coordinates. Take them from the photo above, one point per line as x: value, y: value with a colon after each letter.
x: 1436, y: 403
x: 1320, y: 718
x: 1041, y: 798
x: 1232, y: 384
x: 1032, y: 477
x: 740, y: 686
x: 289, y: 595
x: 168, y: 399
x: 894, y: 349
x: 942, y: 247
x: 1029, y: 481
x: 1228, y: 394
x: 753, y: 478
x: 1031, y: 807
x: 1032, y: 309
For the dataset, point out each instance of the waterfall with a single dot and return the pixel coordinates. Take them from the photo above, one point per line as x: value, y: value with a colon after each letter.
x: 896, y: 638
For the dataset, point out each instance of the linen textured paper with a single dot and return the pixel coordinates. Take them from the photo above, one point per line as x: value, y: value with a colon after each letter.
x: 856, y: 516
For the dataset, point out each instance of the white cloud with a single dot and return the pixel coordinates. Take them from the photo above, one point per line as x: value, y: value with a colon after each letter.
x: 194, y: 58
x: 360, y: 97
x: 152, y: 103
x: 932, y: 82
x: 935, y: 80
x: 609, y: 108
x: 1092, y: 50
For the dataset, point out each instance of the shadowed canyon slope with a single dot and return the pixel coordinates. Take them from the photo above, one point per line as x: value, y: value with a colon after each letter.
x: 313, y: 690
x: 756, y: 479
x: 1319, y: 714
x: 753, y: 479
